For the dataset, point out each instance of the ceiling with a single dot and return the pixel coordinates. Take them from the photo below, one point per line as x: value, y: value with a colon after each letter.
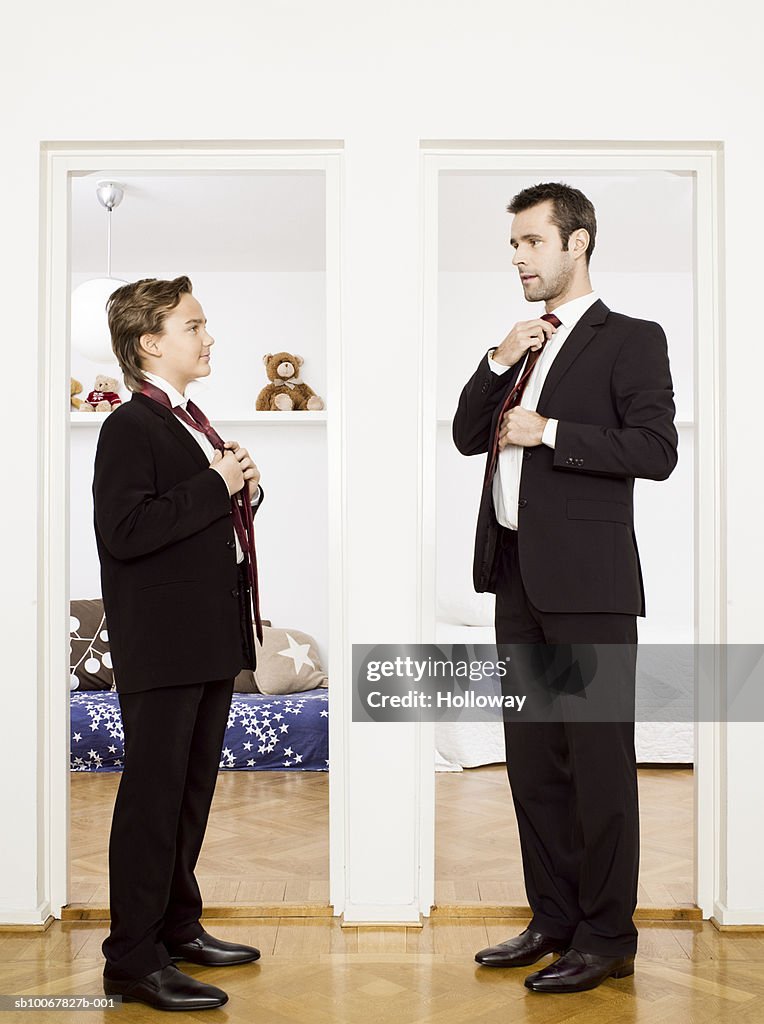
x: 276, y: 221
x: 644, y: 221
x: 188, y: 222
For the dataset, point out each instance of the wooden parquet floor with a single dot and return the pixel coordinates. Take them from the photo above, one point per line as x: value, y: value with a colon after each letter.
x: 477, y: 850
x: 313, y: 970
x: 267, y: 841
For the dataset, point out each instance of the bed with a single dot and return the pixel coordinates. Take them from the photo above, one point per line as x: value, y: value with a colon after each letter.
x: 665, y: 689
x: 285, y: 728
x: 264, y: 732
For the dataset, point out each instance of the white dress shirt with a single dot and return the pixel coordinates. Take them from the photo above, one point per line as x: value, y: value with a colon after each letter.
x: 506, y: 482
x: 176, y: 398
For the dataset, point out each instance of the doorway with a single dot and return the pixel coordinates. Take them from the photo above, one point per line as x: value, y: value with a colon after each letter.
x: 222, y: 216
x: 469, y: 305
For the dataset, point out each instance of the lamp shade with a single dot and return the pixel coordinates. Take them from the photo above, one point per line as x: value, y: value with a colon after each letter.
x: 90, y: 327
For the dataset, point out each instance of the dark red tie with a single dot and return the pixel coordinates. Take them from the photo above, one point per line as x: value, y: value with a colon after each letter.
x: 241, y: 509
x: 515, y: 395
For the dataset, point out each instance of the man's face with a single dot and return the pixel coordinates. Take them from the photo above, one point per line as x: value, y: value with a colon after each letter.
x: 546, y: 271
x: 184, y: 344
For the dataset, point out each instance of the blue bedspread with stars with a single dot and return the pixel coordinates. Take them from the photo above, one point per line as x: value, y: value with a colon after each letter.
x: 264, y: 733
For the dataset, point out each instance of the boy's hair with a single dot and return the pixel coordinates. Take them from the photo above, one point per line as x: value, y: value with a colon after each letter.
x: 136, y: 309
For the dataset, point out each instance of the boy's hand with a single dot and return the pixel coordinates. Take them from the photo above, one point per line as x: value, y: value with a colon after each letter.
x: 229, y: 468
x: 249, y: 470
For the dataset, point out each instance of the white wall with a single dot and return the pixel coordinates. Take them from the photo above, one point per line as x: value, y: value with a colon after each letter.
x: 380, y: 77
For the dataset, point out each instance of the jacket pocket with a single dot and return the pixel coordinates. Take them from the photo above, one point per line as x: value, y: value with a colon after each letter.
x: 603, y: 511
x: 168, y: 583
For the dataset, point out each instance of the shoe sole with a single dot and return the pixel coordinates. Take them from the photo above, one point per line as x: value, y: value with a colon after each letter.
x: 622, y: 972
x: 205, y: 963
x: 186, y: 1008
x: 517, y: 963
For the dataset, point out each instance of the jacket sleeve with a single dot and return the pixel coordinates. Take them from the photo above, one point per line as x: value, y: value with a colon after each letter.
x: 481, y: 394
x: 131, y: 517
x: 645, y: 445
x: 256, y: 505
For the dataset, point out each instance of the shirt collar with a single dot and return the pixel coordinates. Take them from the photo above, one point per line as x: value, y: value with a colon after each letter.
x: 172, y: 392
x: 569, y: 313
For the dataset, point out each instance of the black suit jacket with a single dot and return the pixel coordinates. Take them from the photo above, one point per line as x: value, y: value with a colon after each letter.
x: 610, y: 388
x: 169, y: 577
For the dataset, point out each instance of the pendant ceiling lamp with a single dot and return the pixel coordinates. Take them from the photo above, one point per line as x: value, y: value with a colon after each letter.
x: 90, y: 327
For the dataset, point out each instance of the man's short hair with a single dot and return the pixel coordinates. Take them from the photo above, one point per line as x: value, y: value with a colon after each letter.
x: 570, y: 210
x: 136, y: 309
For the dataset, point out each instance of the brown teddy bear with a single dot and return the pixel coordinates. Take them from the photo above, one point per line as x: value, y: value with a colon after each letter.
x: 104, y: 397
x: 286, y: 390
x: 75, y: 388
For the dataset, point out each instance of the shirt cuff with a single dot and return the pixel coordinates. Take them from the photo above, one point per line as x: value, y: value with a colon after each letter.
x: 496, y: 367
x: 257, y: 497
x: 549, y: 437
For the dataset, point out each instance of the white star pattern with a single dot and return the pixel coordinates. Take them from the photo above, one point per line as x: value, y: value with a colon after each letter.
x: 298, y: 653
x: 284, y: 731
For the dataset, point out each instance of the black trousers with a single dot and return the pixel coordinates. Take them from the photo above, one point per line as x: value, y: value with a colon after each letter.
x: 173, y: 740
x: 573, y: 783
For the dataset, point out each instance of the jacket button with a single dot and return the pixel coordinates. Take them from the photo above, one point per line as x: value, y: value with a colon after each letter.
x: 230, y: 544
x: 522, y: 503
x: 526, y: 453
x: 569, y: 461
x: 235, y: 592
x: 484, y: 387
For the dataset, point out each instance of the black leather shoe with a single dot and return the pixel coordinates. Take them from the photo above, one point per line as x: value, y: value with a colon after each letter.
x: 212, y: 952
x: 578, y: 972
x: 522, y: 951
x: 168, y: 989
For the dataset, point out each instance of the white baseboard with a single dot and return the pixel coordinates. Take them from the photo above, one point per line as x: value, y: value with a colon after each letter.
x: 738, y: 915
x: 381, y: 913
x: 25, y: 915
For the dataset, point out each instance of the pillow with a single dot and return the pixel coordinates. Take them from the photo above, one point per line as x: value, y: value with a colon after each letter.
x: 90, y: 657
x: 245, y: 682
x: 288, y: 662
x: 90, y: 660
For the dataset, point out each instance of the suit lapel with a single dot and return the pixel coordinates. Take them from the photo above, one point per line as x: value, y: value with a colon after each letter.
x: 176, y: 428
x: 584, y: 331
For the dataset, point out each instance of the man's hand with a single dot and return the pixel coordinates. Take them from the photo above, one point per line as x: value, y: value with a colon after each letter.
x: 521, y: 426
x: 249, y: 470
x: 526, y: 334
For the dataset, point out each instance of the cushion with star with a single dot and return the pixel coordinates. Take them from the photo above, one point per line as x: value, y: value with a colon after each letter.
x: 288, y: 662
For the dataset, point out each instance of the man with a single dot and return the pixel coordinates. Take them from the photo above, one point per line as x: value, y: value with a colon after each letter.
x: 176, y: 547
x: 570, y: 408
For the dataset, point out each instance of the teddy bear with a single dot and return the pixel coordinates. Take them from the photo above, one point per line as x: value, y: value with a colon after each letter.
x: 286, y: 390
x: 104, y: 397
x: 75, y: 388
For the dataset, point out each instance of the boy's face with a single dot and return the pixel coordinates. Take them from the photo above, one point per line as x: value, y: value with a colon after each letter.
x: 181, y: 353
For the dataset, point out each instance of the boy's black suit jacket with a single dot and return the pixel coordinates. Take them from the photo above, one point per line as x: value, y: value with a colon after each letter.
x: 610, y: 388
x: 169, y: 577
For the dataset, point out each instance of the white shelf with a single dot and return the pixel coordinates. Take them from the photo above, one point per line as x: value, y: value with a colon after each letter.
x: 92, y: 419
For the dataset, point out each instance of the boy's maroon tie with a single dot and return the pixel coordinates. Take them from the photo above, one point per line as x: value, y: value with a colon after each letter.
x: 515, y: 395
x: 241, y: 509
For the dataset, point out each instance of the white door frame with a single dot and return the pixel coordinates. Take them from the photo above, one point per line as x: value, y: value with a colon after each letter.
x: 59, y: 161
x: 704, y: 162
